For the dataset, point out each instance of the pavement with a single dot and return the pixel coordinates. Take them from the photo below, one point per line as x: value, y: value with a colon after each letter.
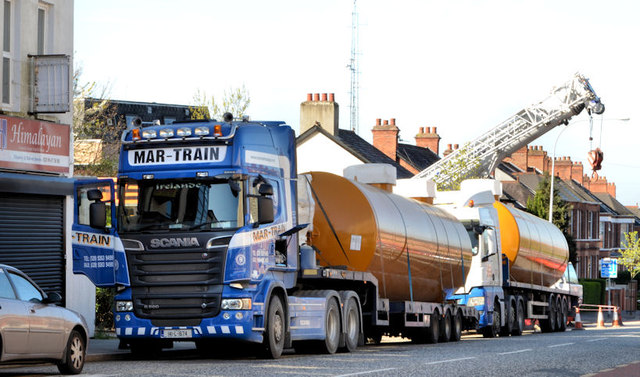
x: 108, y: 348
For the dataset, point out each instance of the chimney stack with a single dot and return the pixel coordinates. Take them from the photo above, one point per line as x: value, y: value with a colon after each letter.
x: 325, y: 113
x: 385, y: 138
x: 429, y: 139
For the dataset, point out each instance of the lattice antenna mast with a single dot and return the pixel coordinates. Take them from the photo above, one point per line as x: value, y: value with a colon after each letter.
x: 353, y: 67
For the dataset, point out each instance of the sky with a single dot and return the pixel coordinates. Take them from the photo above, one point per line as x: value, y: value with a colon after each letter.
x: 463, y: 66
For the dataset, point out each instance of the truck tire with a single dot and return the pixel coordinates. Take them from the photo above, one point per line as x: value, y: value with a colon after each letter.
x: 456, y: 326
x: 549, y: 324
x: 518, y: 327
x: 351, y: 325
x: 510, y: 319
x: 445, y: 328
x: 433, y: 331
x: 332, y: 327
x: 563, y: 313
x: 275, y: 328
x: 493, y: 330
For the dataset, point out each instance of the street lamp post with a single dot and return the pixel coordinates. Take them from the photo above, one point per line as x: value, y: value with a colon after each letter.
x: 553, y: 161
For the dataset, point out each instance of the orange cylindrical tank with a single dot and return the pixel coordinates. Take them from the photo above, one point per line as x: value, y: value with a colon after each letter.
x: 537, y: 250
x: 415, y: 250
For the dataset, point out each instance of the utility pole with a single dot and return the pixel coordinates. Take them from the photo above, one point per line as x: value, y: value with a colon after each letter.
x: 353, y: 67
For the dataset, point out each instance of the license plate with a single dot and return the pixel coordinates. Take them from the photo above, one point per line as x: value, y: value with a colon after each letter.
x: 178, y: 333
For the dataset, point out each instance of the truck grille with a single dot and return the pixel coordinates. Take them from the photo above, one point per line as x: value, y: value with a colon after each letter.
x: 177, y: 283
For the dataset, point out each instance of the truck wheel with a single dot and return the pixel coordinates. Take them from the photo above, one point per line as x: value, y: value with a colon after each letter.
x: 274, y: 335
x: 493, y: 330
x: 549, y: 324
x: 332, y: 327
x: 352, y: 325
x: 456, y: 326
x: 74, y: 355
x: 518, y: 327
x: 510, y: 320
x: 563, y: 313
x: 445, y: 330
x: 433, y: 332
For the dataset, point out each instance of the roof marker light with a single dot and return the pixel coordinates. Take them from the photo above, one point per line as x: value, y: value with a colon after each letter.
x: 202, y: 131
x: 149, y: 134
x: 166, y: 132
x: 183, y: 132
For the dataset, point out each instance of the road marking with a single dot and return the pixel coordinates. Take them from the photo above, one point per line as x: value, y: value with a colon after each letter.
x: 512, y: 352
x: 365, y: 372
x: 450, y: 361
x: 595, y: 340
x: 560, y: 345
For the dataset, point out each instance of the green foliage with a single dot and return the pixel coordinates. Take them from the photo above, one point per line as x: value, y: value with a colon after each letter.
x: 235, y: 101
x: 630, y: 253
x: 459, y: 167
x: 593, y: 291
x: 624, y: 277
x: 104, y: 303
x: 538, y: 205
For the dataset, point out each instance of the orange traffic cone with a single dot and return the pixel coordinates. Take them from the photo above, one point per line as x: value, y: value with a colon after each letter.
x: 616, y: 318
x: 600, y: 319
x: 578, y: 321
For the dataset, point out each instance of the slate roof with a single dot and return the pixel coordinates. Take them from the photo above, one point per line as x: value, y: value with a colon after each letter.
x: 517, y: 193
x: 613, y: 203
x: 418, y: 157
x: 357, y: 146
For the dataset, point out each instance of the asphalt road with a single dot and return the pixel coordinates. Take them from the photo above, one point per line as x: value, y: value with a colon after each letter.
x: 572, y: 353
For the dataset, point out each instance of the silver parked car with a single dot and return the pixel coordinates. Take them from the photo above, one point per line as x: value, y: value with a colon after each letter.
x: 33, y: 328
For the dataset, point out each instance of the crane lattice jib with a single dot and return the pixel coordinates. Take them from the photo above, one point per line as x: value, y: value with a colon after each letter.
x: 519, y: 130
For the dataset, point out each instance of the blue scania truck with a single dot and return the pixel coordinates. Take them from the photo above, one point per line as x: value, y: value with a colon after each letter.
x: 208, y: 234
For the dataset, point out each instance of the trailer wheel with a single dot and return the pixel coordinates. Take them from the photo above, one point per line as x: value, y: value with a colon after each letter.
x: 518, y: 327
x: 445, y: 330
x: 351, y: 325
x: 563, y: 313
x: 549, y: 324
x: 332, y: 327
x: 456, y: 326
x: 433, y: 332
x: 274, y: 334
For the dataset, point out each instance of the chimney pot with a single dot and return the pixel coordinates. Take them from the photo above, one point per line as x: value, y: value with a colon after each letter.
x: 434, y: 130
x: 421, y: 130
x: 309, y: 97
x: 393, y: 121
x: 332, y: 97
x: 378, y: 121
x: 386, y: 122
x: 316, y: 97
x: 324, y: 97
x: 456, y: 146
x: 449, y: 146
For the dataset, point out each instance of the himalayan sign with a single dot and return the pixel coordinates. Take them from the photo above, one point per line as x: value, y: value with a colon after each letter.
x: 27, y: 144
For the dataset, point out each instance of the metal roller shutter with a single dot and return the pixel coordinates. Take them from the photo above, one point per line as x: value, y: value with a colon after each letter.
x: 32, y: 237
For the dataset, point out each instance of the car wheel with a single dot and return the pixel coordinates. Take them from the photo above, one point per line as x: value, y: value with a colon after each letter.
x: 74, y: 355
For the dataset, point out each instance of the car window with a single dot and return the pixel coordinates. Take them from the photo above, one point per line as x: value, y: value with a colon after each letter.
x: 26, y: 291
x: 6, y: 291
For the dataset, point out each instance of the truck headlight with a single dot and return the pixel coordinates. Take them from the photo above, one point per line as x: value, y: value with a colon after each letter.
x: 124, y: 306
x: 476, y: 301
x: 236, y: 304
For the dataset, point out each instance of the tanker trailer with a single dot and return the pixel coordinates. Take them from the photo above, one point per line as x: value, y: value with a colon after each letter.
x: 418, y: 254
x: 519, y: 265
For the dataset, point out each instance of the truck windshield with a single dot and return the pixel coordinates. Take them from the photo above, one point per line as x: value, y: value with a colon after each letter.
x: 179, y: 204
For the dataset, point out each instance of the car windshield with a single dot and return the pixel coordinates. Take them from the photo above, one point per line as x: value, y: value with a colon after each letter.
x: 179, y: 204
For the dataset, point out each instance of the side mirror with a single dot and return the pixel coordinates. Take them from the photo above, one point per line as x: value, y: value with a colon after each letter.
x: 53, y: 298
x: 265, y: 210
x: 265, y: 189
x: 98, y: 215
x: 94, y: 195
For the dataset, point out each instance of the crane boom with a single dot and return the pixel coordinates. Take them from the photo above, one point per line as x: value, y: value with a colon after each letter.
x: 517, y: 131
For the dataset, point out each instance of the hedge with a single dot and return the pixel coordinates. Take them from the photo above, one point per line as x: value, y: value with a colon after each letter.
x: 593, y: 290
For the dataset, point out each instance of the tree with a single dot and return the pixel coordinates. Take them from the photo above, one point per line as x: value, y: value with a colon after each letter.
x: 539, y: 205
x: 460, y: 167
x: 630, y: 253
x: 235, y: 101
x: 94, y: 117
